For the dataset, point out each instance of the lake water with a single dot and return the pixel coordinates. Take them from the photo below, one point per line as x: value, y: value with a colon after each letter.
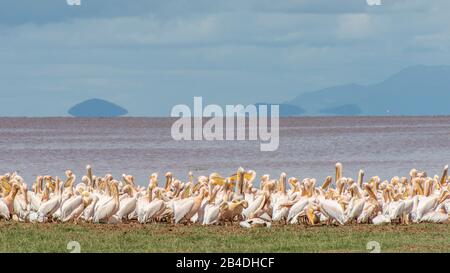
x: 309, y: 147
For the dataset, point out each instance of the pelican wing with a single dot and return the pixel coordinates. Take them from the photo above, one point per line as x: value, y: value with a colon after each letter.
x: 126, y: 207
x: 426, y: 204
x: 49, y: 207
x: 4, y: 211
x: 212, y: 213
x: 434, y: 217
x: 35, y: 201
x: 332, y: 209
x: 253, y: 206
x: 104, y: 211
x: 154, y: 207
x: 296, y: 209
x: 70, y: 205
x: 182, y: 208
x: 75, y: 213
x: 356, y: 209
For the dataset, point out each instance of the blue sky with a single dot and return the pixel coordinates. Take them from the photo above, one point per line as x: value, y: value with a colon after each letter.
x: 148, y: 55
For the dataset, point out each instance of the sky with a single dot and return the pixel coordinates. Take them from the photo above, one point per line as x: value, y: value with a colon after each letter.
x: 149, y: 55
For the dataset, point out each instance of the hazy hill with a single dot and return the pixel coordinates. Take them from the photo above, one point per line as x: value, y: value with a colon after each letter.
x: 416, y: 90
x: 286, y: 110
x: 97, y: 108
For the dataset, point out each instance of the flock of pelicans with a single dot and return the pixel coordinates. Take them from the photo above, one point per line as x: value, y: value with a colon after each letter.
x: 215, y: 199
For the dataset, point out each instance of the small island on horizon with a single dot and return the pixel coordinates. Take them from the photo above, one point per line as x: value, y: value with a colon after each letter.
x: 97, y: 108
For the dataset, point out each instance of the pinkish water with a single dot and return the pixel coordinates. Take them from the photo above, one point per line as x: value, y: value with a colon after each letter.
x: 309, y: 147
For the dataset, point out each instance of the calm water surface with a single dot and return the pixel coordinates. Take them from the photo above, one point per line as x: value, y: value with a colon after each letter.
x: 309, y: 147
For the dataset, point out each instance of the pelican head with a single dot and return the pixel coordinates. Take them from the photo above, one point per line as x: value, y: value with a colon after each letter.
x: 360, y: 177
x: 293, y: 182
x: 404, y: 181
x: 223, y: 207
x: 89, y: 171
x: 154, y: 179
x: 202, y: 179
x: 168, y: 176
x: 240, y: 179
x: 85, y: 180
x: 69, y: 173
x: 191, y: 176
x: 127, y: 189
x: 350, y: 182
x: 154, y: 176
x: 282, y: 183
x: 263, y: 180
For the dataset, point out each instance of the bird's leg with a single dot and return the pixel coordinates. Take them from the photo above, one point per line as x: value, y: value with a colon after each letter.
x: 406, y: 218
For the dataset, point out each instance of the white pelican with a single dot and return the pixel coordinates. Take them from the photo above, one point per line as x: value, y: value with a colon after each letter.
x: 36, y: 194
x: 106, y: 210
x: 215, y: 199
x: 21, y: 207
x: 150, y: 207
x: 279, y: 199
x: 230, y: 210
x: 69, y: 207
x: 7, y: 201
x: 76, y: 208
x: 186, y: 208
x: 88, y: 212
x: 332, y: 209
x: 128, y: 203
x: 211, y: 212
x: 357, y: 203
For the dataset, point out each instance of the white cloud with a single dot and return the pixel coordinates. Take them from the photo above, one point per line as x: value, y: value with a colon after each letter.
x: 354, y: 26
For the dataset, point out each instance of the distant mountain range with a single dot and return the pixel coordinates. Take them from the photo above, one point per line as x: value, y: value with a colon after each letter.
x: 285, y: 109
x: 416, y: 90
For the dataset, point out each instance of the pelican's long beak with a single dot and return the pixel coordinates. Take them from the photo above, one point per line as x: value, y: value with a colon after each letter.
x: 444, y: 176
x: 89, y: 174
x: 240, y: 182
x: 360, y: 178
x: 216, y: 179
x: 196, y: 187
x: 327, y: 183
x: 370, y: 192
x: 444, y: 196
x: 168, y: 181
x: 428, y: 186
x: 282, y: 183
x: 338, y: 171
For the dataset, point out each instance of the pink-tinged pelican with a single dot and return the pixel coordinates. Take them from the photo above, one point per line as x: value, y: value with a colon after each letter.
x: 49, y: 205
x: 212, y: 209
x: 76, y: 208
x: 150, y: 207
x: 186, y: 208
x: 333, y: 210
x: 106, y: 210
x: 7, y: 202
x: 128, y: 203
